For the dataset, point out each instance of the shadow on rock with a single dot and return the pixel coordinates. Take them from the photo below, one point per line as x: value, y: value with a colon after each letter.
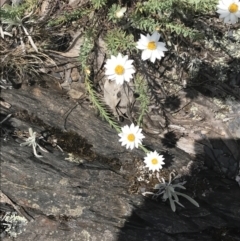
x: 212, y: 185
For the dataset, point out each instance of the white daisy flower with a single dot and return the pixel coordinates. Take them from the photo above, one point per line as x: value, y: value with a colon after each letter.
x: 131, y: 136
x: 119, y: 68
x: 154, y: 161
x: 229, y: 10
x: 152, y: 49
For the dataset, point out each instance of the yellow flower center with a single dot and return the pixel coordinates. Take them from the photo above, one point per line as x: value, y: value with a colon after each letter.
x: 154, y: 161
x: 233, y: 8
x: 131, y: 137
x: 119, y: 70
x: 152, y: 45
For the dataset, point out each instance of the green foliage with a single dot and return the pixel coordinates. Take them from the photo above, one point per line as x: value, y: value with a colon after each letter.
x: 149, y: 16
x: 144, y: 23
x: 119, y: 32
x: 86, y: 48
x: 180, y: 29
x: 118, y: 40
x: 167, y: 190
x: 142, y: 90
x: 12, y: 15
x: 112, y: 13
x: 169, y: 6
x: 167, y: 14
x: 67, y: 17
x: 202, y: 5
x: 98, y: 3
x: 151, y: 6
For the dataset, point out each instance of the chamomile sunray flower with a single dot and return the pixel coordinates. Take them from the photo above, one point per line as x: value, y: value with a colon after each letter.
x: 152, y: 49
x: 131, y: 136
x: 119, y: 68
x: 229, y: 10
x: 154, y: 161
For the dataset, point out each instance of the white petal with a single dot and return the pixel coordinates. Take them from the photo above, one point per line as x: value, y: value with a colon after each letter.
x: 122, y: 61
x: 113, y: 58
x: 119, y: 56
x: 108, y: 63
x: 143, y: 41
x: 233, y: 18
x: 153, y: 57
x: 146, y: 54
x: 131, y: 145
x: 162, y: 45
x: 226, y: 2
x: 111, y: 64
x: 125, y: 58
x: 119, y: 79
x: 132, y: 127
x: 221, y: 11
x: 158, y: 54
x: 125, y: 129
x: 128, y: 63
x: 224, y: 15
x: 131, y: 71
x: 110, y: 72
x: 227, y: 19
x: 111, y: 77
x: 141, y: 46
x: 127, y: 78
x: 155, y: 36
x: 148, y: 37
x: 144, y: 38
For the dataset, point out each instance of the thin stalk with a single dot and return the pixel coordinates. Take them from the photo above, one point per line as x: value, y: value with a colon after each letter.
x: 100, y: 106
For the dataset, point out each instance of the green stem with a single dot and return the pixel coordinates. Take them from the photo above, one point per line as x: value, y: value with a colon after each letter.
x: 144, y: 149
x: 99, y: 106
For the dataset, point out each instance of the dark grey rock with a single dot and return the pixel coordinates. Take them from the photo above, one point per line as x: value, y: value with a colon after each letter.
x: 64, y: 200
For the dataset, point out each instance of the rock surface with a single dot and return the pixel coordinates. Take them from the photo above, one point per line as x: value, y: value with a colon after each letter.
x: 65, y: 200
